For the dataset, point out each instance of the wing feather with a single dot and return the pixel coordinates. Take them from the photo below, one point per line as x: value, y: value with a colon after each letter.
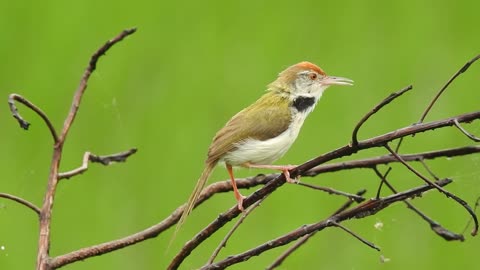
x: 267, y: 118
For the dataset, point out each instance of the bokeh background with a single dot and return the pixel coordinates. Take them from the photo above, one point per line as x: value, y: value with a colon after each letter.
x: 192, y: 64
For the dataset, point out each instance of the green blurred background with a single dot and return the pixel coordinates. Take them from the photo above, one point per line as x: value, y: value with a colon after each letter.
x: 168, y: 88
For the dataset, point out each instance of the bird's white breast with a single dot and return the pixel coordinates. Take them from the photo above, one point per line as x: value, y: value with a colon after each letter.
x: 266, y: 152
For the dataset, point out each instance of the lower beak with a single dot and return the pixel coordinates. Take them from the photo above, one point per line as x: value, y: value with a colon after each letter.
x: 336, y: 81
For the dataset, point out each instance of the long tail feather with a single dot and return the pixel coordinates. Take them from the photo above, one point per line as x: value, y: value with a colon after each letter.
x: 202, y: 181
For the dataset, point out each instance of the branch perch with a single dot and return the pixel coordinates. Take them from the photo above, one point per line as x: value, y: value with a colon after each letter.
x: 366, y: 209
x: 347, y: 150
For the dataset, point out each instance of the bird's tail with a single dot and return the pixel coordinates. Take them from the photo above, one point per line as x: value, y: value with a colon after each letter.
x: 202, y: 181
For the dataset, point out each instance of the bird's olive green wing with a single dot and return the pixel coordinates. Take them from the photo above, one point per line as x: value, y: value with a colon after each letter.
x: 267, y: 118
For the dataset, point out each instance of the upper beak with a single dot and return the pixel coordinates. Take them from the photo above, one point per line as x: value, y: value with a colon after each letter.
x: 330, y: 80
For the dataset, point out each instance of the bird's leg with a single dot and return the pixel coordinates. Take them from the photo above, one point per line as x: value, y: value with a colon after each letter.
x: 284, y: 168
x: 237, y: 194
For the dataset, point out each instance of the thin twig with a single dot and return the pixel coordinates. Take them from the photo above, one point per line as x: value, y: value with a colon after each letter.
x: 352, y: 233
x: 477, y: 203
x: 92, y: 65
x: 435, y: 226
x: 23, y: 123
x: 428, y: 169
x: 105, y: 160
x: 384, y: 102
x: 333, y: 191
x: 382, y: 180
x: 368, y: 208
x: 445, y: 86
x: 21, y: 201
x: 223, y: 243
x: 447, y: 193
x: 464, y: 131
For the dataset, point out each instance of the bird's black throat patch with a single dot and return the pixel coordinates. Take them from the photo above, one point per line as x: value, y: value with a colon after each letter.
x: 302, y: 103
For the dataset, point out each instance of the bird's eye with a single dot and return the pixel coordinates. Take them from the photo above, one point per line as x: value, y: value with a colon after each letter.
x: 312, y: 76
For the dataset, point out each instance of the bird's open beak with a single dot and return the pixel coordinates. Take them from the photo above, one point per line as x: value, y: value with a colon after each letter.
x: 330, y: 80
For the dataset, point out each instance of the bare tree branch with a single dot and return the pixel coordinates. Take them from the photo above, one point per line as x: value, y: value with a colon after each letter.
x: 366, y: 209
x: 92, y: 65
x: 384, y: 102
x: 347, y: 150
x: 155, y: 230
x: 477, y: 204
x: 333, y: 191
x: 21, y: 201
x: 105, y: 160
x: 380, y: 140
x: 463, y: 203
x: 358, y: 237
x: 460, y: 71
x: 435, y: 226
x: 23, y: 123
x: 271, y: 183
x: 386, y: 159
x: 43, y: 259
x: 464, y: 131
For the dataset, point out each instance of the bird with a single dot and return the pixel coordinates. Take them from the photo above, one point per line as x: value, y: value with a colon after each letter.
x: 264, y: 131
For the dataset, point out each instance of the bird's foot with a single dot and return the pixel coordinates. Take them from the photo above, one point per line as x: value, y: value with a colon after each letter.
x: 240, y: 199
x: 290, y: 180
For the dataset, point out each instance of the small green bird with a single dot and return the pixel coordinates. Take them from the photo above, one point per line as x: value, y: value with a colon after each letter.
x: 264, y: 131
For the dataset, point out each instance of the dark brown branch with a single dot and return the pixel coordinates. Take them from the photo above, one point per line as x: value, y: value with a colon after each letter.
x: 463, y: 203
x: 23, y: 123
x: 384, y: 102
x: 380, y: 140
x: 435, y: 226
x: 347, y: 150
x: 464, y: 131
x: 105, y: 160
x: 333, y: 191
x: 366, y: 209
x: 386, y: 159
x: 445, y: 86
x: 21, y: 201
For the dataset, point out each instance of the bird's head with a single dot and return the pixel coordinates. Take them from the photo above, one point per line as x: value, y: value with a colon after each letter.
x: 305, y: 78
